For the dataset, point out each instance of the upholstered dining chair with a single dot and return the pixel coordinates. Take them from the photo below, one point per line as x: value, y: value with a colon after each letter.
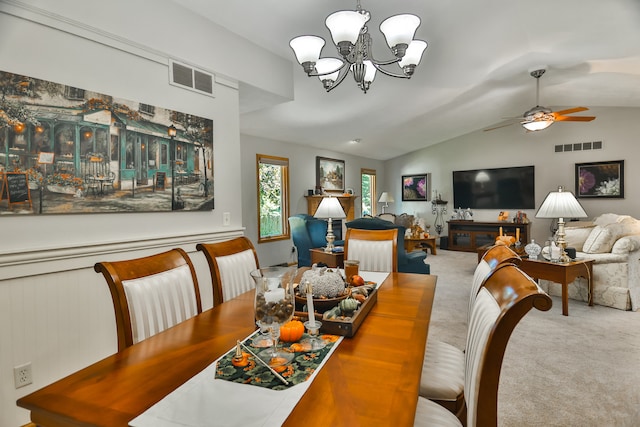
x: 230, y: 264
x: 377, y: 250
x: 443, y: 368
x: 151, y: 294
x: 506, y: 297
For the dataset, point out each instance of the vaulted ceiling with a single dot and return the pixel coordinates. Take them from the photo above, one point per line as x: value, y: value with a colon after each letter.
x: 474, y: 73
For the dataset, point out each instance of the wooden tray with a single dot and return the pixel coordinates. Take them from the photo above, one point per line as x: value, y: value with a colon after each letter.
x: 343, y: 327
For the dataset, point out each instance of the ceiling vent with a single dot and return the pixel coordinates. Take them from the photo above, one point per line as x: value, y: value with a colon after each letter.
x: 190, y: 78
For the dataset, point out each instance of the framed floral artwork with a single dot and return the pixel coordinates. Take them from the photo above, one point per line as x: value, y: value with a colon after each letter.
x: 416, y: 188
x: 600, y: 180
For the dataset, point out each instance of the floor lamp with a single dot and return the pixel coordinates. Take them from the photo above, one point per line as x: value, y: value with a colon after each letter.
x: 330, y: 209
x: 561, y: 204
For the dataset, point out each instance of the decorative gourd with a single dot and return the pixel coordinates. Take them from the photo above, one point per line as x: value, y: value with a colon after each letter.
x: 348, y: 305
x: 291, y: 331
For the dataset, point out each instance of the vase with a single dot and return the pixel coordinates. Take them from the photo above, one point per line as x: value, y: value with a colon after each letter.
x: 533, y: 249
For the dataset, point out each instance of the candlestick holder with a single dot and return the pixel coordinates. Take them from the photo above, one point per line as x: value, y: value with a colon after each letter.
x: 313, y: 342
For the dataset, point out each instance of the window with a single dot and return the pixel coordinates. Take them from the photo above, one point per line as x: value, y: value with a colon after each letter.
x: 273, y: 198
x: 71, y: 92
x: 368, y: 179
x: 147, y: 109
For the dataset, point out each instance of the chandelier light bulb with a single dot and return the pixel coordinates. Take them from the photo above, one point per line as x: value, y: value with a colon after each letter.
x: 399, y: 30
x: 413, y: 54
x: 307, y: 48
x: 345, y: 26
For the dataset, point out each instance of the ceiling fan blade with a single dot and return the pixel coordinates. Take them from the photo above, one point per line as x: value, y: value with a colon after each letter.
x: 574, y: 118
x: 498, y: 127
x: 571, y: 110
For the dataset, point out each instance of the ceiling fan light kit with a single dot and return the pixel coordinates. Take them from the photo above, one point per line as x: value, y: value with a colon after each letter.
x: 351, y: 37
x: 540, y: 118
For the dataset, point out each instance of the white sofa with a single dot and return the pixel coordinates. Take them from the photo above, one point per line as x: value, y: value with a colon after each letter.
x: 613, y: 241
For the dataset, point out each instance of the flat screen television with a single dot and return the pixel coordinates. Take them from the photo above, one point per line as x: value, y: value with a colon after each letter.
x: 499, y: 188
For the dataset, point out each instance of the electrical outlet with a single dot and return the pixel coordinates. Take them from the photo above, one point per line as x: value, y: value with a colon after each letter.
x: 226, y: 218
x: 22, y: 375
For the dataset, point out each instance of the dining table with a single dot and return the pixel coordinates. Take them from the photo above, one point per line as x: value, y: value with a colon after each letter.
x: 371, y: 379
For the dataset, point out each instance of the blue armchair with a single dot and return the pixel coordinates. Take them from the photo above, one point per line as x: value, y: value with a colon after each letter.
x: 412, y: 262
x: 307, y: 233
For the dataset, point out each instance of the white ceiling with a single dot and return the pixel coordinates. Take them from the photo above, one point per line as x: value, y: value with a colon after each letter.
x: 474, y: 73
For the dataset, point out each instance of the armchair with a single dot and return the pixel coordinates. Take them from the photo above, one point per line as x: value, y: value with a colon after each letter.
x: 308, y: 232
x: 411, y: 262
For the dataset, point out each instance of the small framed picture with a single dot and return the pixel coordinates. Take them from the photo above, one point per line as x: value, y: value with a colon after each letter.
x: 603, y: 180
x: 416, y: 188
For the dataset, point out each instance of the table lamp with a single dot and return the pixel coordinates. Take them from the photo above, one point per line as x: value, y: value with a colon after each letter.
x: 386, y: 199
x: 330, y: 209
x: 561, y: 204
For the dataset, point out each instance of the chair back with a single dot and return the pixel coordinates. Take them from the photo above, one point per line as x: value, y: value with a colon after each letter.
x: 507, y: 296
x: 388, y: 217
x: 151, y: 294
x: 492, y: 258
x: 230, y: 263
x: 377, y: 250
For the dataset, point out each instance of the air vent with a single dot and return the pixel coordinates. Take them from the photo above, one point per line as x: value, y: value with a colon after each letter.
x: 190, y: 78
x: 580, y: 146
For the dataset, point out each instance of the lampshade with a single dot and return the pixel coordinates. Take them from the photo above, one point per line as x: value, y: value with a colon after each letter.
x: 330, y: 208
x: 307, y: 48
x: 325, y: 66
x: 413, y: 54
x: 385, y: 198
x: 345, y: 25
x: 399, y: 29
x: 561, y: 204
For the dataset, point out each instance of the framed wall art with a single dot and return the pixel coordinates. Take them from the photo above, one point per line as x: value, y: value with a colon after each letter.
x: 600, y: 180
x: 330, y: 174
x: 416, y: 188
x: 88, y: 152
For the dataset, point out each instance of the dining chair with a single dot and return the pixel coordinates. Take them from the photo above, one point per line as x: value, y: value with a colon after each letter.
x: 151, y: 294
x: 506, y: 297
x: 443, y: 367
x: 230, y: 264
x: 91, y: 184
x: 377, y: 250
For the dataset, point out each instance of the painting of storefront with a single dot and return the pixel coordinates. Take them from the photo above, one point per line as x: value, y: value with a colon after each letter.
x: 84, y: 152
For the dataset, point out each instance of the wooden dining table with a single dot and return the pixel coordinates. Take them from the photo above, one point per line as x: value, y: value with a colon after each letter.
x: 372, y: 379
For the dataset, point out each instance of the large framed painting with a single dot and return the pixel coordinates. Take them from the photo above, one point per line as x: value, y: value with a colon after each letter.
x: 416, y: 188
x: 86, y: 152
x: 330, y: 174
x: 603, y: 180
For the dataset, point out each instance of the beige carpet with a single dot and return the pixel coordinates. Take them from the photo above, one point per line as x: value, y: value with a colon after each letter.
x: 581, y: 370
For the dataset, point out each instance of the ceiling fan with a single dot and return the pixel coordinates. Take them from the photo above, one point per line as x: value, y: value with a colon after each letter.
x: 539, y: 118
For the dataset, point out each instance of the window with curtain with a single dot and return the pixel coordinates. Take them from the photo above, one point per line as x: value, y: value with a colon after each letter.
x: 368, y: 191
x: 273, y: 198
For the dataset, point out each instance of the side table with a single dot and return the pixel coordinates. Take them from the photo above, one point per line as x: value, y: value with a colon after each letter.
x: 563, y: 273
x: 412, y: 243
x: 332, y: 259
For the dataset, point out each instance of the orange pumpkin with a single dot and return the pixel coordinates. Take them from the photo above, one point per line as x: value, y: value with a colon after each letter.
x: 291, y: 331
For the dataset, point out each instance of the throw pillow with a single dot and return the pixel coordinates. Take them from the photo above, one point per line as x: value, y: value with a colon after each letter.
x: 610, y: 218
x: 602, y: 238
x: 576, y: 237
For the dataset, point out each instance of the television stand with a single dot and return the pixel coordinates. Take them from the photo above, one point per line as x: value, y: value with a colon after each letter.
x: 468, y: 236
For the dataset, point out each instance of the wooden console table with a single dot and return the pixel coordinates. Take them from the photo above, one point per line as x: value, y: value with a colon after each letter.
x: 468, y: 236
x: 417, y: 243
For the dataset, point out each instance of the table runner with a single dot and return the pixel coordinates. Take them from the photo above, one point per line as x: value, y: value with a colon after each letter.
x: 206, y: 401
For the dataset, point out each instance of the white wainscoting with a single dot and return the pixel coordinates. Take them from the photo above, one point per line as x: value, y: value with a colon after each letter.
x: 56, y: 311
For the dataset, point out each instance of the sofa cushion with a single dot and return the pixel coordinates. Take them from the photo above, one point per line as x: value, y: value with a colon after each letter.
x: 625, y: 245
x: 602, y: 238
x: 610, y: 218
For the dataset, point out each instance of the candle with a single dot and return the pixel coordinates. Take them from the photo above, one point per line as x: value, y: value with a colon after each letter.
x: 274, y: 295
x: 500, y: 231
x: 310, y: 310
x: 517, y: 234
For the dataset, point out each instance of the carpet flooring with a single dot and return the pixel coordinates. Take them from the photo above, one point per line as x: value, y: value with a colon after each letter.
x: 577, y: 370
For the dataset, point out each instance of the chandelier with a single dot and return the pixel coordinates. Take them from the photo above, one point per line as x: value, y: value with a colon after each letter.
x: 352, y: 39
